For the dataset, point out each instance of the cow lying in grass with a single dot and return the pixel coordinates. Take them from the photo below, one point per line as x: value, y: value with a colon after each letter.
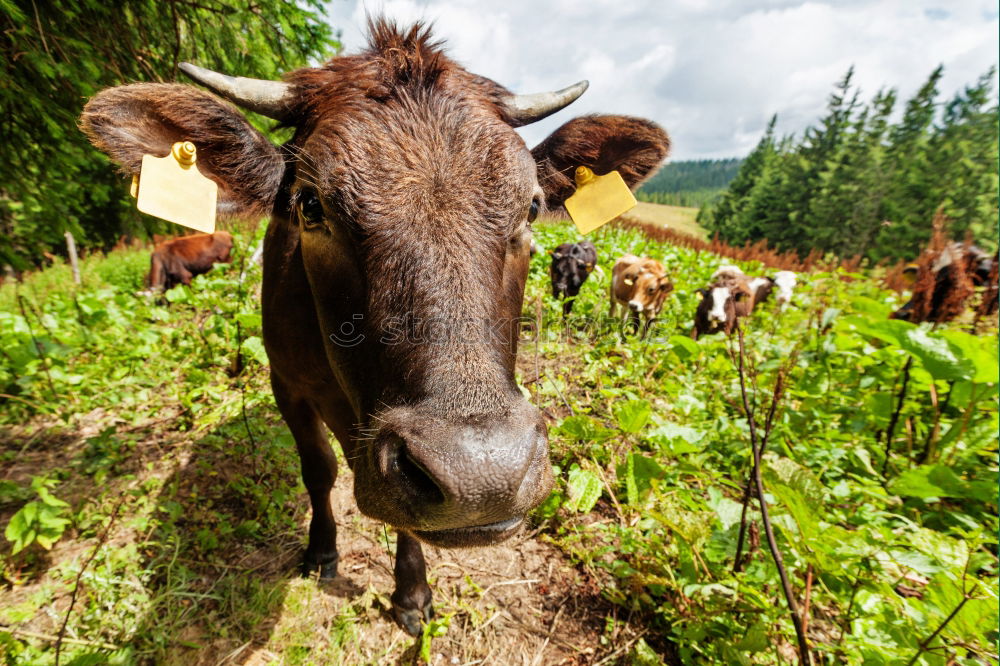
x: 179, y: 260
x: 572, y: 264
x: 640, y: 286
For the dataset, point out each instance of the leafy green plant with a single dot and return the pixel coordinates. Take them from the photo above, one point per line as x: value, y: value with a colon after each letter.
x: 436, y: 628
x: 40, y: 521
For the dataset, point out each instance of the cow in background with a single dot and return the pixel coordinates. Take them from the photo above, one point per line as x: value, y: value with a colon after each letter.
x: 761, y: 287
x: 783, y: 282
x: 945, y: 281
x: 572, y: 264
x: 722, y: 305
x: 177, y: 261
x: 640, y: 286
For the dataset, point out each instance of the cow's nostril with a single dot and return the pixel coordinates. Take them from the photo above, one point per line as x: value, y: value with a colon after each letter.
x: 418, y: 481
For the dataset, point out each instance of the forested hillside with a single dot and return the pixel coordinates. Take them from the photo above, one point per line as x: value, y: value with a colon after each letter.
x: 860, y: 182
x: 689, y: 183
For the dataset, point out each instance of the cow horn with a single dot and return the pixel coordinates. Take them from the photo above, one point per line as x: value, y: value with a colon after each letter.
x: 268, y: 98
x: 526, y: 109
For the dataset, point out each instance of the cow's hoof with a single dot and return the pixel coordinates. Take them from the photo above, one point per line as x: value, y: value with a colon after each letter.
x: 326, y: 569
x: 412, y: 620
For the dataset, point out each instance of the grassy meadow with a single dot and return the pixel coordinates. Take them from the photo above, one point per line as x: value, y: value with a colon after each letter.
x: 679, y: 218
x: 153, y: 510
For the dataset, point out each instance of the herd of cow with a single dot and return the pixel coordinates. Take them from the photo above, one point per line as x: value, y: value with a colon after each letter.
x: 640, y: 286
x: 403, y: 188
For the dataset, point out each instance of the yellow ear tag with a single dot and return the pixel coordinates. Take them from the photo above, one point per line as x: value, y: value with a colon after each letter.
x: 173, y: 189
x: 598, y: 199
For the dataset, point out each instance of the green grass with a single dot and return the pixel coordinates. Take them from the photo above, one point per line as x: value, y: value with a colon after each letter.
x: 127, y: 410
x: 678, y: 218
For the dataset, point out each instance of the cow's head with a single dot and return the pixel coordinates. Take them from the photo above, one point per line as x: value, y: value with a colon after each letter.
x: 650, y: 287
x: 719, y: 305
x: 572, y: 264
x: 412, y: 198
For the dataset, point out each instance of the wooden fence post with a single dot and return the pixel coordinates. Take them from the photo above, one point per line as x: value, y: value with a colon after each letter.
x: 73, y: 261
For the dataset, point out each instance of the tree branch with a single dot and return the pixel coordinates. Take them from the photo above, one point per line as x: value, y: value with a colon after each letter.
x: 772, y: 543
x: 894, y: 419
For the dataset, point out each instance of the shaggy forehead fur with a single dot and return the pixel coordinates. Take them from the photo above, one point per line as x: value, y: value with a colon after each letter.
x: 414, y: 128
x: 416, y: 156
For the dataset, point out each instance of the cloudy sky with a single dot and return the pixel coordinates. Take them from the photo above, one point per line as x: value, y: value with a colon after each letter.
x: 711, y: 71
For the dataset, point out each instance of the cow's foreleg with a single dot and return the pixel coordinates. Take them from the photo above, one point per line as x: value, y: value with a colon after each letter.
x: 319, y: 471
x: 411, y: 602
x: 645, y: 328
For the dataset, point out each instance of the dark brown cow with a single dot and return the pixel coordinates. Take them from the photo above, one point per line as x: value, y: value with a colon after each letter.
x: 177, y: 261
x: 394, y: 271
x: 572, y: 264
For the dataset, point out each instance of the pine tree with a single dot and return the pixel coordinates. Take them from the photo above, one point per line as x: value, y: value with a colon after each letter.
x: 722, y: 215
x: 856, y: 184
x: 911, y: 200
x: 963, y: 152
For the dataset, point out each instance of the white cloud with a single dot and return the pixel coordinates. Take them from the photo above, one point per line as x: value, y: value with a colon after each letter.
x: 711, y: 71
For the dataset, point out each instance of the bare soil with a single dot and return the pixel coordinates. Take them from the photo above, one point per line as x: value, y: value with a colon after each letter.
x: 521, y: 602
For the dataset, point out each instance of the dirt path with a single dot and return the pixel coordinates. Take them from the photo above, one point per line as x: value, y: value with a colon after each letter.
x: 518, y: 603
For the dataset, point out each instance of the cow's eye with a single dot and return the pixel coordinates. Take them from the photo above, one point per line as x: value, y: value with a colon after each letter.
x: 533, y: 211
x: 310, y: 209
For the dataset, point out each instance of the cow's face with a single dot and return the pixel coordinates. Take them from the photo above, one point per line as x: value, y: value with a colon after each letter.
x: 571, y: 266
x: 721, y: 306
x: 784, y: 281
x: 411, y: 196
x: 649, y: 290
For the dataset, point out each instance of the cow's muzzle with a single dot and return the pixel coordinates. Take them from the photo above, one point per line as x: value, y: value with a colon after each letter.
x: 456, y: 483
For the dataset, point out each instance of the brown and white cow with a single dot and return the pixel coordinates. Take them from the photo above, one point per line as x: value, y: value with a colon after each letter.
x: 394, y: 271
x: 640, y: 286
x: 177, y: 261
x: 722, y: 305
x: 783, y: 283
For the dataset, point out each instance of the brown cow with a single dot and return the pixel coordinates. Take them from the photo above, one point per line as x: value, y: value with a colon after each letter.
x: 761, y: 288
x: 640, y: 286
x: 945, y: 280
x: 394, y: 271
x: 177, y: 261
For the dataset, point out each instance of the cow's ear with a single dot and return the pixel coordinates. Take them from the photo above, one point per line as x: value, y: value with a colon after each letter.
x: 703, y: 292
x: 130, y: 121
x: 633, y: 146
